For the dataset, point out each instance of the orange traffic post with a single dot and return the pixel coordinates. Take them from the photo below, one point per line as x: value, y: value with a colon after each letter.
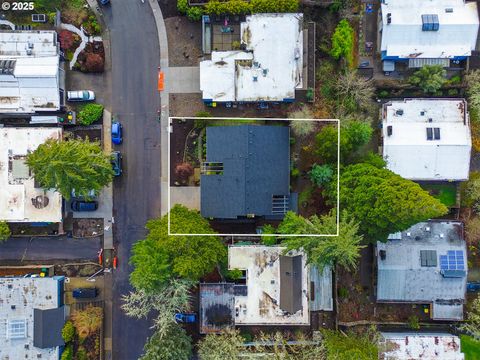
x: 161, y: 84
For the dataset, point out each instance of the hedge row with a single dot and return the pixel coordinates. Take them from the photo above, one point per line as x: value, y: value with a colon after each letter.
x: 237, y: 7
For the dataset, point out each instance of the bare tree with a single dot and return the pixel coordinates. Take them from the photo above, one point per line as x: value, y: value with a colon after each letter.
x: 355, y: 91
x: 171, y: 298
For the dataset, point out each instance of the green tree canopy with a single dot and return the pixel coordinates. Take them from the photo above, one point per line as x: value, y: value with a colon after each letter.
x: 382, y: 201
x: 73, y: 164
x: 161, y: 256
x: 321, y: 174
x: 340, y: 346
x: 5, y: 232
x: 343, y: 41
x: 175, y: 344
x: 342, y: 250
x: 353, y: 135
x: 430, y: 78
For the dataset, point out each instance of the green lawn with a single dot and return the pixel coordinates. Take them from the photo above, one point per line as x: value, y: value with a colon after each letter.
x: 446, y: 193
x: 470, y: 347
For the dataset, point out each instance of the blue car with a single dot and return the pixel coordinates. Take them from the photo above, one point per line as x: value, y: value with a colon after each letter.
x: 117, y: 133
x: 185, y: 318
x: 473, y: 286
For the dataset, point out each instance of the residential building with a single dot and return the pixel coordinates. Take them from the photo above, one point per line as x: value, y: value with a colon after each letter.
x: 267, y: 68
x: 31, y: 78
x: 427, y: 139
x: 419, y: 345
x: 416, y: 33
x: 277, y: 288
x: 21, y: 199
x: 426, y: 264
x: 246, y: 173
x: 32, y: 316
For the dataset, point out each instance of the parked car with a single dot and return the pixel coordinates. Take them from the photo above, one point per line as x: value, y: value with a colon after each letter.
x: 117, y: 163
x: 80, y: 95
x: 79, y: 205
x: 185, y: 318
x: 85, y: 293
x: 473, y: 286
x: 117, y: 133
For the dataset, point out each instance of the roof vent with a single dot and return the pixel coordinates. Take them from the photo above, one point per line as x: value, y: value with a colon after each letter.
x: 40, y: 201
x: 399, y: 112
x: 427, y: 228
x: 430, y: 120
x: 422, y: 113
x: 13, y: 307
x: 389, y: 18
x: 442, y: 236
x: 449, y: 10
x: 389, y: 130
x: 29, y: 52
x: 30, y: 45
x: 255, y: 78
x: 409, y: 234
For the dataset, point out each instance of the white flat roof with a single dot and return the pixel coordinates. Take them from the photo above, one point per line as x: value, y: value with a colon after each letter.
x: 427, y: 346
x: 270, y: 69
x: 25, y: 294
x: 15, y: 44
x: 30, y: 80
x: 403, y: 37
x: 407, y: 150
x: 18, y: 196
x: 261, y: 305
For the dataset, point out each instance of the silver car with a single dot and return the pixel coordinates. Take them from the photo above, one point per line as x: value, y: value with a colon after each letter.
x: 81, y: 95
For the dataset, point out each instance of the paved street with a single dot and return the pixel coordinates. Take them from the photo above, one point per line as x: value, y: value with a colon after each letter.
x: 135, y: 101
x: 50, y: 248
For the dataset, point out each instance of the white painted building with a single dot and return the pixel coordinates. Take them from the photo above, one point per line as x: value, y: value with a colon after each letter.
x: 427, y: 139
x: 416, y: 345
x: 31, y: 80
x: 269, y: 69
x: 20, y: 199
x: 31, y: 318
x: 427, y: 32
x: 276, y: 286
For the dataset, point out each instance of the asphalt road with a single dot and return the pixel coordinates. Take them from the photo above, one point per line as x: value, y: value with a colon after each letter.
x: 135, y: 100
x: 50, y: 248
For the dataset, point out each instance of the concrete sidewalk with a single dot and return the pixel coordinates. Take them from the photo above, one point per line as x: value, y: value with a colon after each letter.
x: 164, y: 99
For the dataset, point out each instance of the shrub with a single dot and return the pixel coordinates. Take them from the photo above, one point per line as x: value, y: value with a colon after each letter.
x: 342, y: 292
x: 81, y: 354
x: 51, y: 17
x: 94, y: 63
x: 342, y: 42
x: 457, y: 79
x: 470, y: 190
x: 184, y: 171
x: 236, y: 45
x: 194, y: 13
x: 88, y: 321
x: 430, y: 78
x: 66, y: 39
x: 234, y: 274
x: 67, y: 353
x: 182, y: 6
x: 295, y: 172
x: 90, y: 113
x: 383, y: 94
x: 68, y: 332
x: 320, y: 174
x: 413, y: 322
x: 452, y: 92
x: 5, y: 232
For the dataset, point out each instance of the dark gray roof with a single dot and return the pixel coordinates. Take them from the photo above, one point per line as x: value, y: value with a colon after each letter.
x: 47, y: 327
x: 291, y: 283
x: 217, y: 307
x: 255, y: 168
